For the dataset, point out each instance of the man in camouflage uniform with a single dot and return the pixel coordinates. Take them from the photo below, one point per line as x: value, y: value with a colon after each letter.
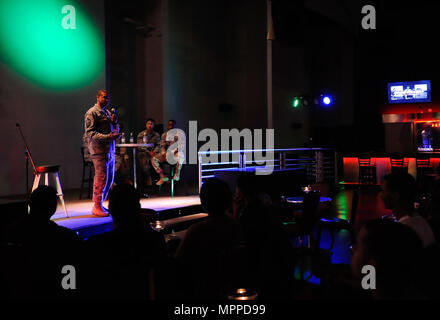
x: 161, y: 157
x: 146, y: 154
x: 102, y: 129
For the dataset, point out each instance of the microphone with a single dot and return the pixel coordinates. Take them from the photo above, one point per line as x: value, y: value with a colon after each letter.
x: 114, y: 114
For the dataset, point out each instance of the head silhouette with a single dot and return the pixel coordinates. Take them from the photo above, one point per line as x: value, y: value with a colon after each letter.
x: 247, y: 185
x: 43, y: 202
x: 399, y: 191
x: 393, y: 249
x: 124, y: 204
x: 248, y: 192
x: 215, y: 196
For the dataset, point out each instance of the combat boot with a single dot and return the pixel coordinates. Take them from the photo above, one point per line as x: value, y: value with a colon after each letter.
x: 99, y: 211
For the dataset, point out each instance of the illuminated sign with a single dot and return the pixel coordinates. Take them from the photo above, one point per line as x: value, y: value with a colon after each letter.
x: 409, y: 92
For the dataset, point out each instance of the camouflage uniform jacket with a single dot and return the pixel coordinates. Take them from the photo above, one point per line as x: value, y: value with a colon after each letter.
x: 153, y: 138
x: 166, y: 142
x: 98, y: 126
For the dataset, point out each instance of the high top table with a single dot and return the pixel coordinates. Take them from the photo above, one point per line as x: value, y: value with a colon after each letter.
x: 300, y: 199
x: 134, y: 146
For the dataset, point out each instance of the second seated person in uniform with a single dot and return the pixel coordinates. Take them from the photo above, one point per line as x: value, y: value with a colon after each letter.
x: 165, y: 143
x: 145, y: 154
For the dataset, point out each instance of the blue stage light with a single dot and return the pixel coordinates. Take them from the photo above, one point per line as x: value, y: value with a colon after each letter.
x: 326, y: 100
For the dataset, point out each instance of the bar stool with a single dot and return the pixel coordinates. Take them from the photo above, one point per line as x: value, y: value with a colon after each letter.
x: 365, y: 170
x: 423, y: 166
x: 373, y: 168
x: 422, y: 162
x: 396, y: 164
x: 46, y: 170
x: 399, y: 164
x: 169, y: 170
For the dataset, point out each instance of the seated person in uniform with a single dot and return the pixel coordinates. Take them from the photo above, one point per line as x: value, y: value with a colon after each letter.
x: 145, y: 154
x: 165, y: 142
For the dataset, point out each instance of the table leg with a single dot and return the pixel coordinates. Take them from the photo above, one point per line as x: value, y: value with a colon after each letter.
x: 134, y: 168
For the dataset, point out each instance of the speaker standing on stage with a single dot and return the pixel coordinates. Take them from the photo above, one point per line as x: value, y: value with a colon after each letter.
x: 102, y: 129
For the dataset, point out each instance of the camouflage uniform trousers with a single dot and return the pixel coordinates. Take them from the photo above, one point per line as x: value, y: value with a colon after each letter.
x: 144, y: 166
x: 162, y: 157
x: 104, y: 175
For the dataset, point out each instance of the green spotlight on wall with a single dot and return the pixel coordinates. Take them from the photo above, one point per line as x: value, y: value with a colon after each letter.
x: 296, y: 102
x: 52, y: 43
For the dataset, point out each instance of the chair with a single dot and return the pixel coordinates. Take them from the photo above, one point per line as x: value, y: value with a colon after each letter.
x: 423, y: 166
x: 366, y: 170
x: 422, y: 162
x: 398, y: 164
x: 87, y: 163
x: 169, y: 170
x: 46, y: 170
x: 336, y: 224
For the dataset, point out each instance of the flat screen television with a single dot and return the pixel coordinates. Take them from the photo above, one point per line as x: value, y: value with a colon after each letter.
x: 427, y: 136
x: 409, y: 91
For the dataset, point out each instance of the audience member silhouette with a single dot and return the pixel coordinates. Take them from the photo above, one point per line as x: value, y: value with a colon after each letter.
x: 434, y: 207
x: 122, y: 263
x: 394, y: 250
x: 399, y: 194
x: 271, y: 254
x: 44, y: 247
x: 207, y: 242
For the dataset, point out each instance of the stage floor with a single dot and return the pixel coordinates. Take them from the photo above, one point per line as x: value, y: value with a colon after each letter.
x: 81, y: 219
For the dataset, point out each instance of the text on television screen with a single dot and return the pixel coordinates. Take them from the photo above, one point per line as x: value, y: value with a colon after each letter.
x: 409, y: 91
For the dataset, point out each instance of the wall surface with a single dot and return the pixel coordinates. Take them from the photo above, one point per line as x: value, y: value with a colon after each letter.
x: 215, y: 65
x: 50, y: 114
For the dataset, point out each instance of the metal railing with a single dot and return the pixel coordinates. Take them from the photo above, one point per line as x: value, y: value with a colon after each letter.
x: 320, y: 163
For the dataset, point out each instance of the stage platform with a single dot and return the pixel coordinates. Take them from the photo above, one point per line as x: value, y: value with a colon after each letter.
x: 171, y: 210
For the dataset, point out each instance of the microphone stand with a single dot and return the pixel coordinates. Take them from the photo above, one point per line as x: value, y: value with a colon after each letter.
x: 27, y: 171
x: 28, y: 156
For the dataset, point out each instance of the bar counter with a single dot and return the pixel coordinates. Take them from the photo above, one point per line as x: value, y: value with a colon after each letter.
x: 382, y: 164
